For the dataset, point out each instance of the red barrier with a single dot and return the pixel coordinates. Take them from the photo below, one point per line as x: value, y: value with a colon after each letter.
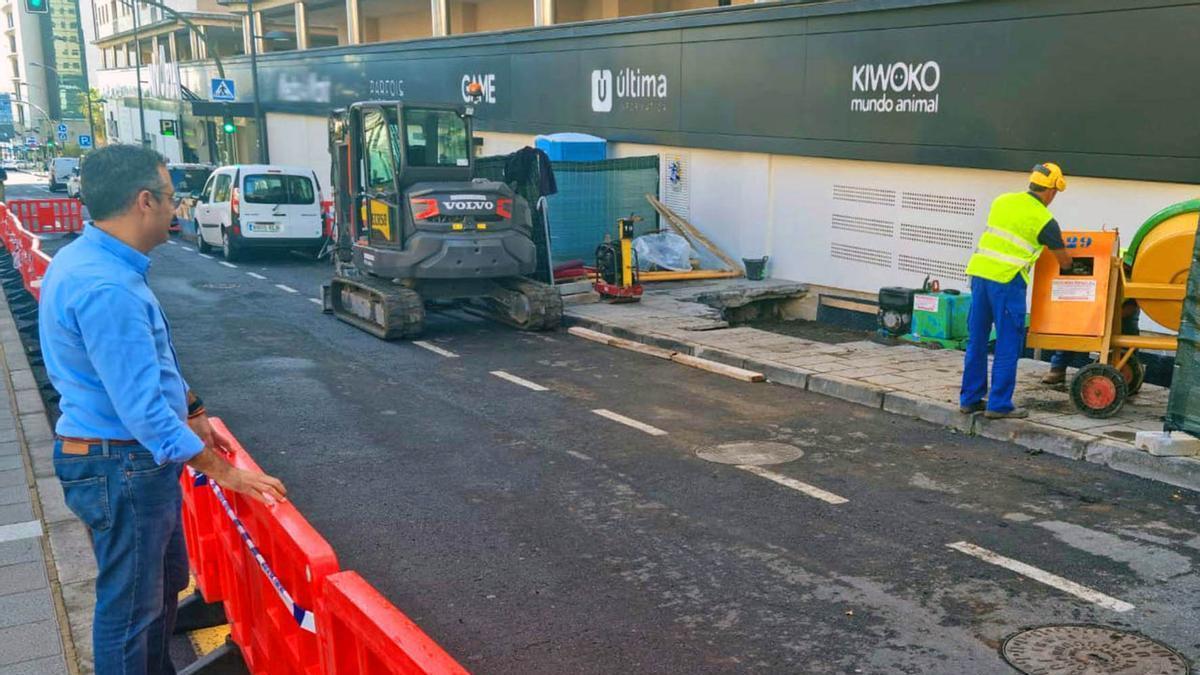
x: 361, y: 632
x: 49, y: 216
x: 26, y: 250
x: 273, y: 571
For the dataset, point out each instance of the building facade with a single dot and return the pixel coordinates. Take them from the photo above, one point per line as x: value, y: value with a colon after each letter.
x: 858, y: 143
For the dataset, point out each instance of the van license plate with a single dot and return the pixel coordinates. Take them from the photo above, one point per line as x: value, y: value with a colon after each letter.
x: 264, y: 227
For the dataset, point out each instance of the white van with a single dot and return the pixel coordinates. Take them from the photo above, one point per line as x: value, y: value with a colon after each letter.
x: 247, y: 206
x: 60, y: 170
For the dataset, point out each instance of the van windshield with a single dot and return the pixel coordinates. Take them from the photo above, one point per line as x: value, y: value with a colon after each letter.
x: 194, y: 178
x: 277, y: 189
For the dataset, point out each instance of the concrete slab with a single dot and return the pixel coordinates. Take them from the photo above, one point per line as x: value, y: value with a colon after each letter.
x: 912, y: 405
x: 11, y: 477
x: 847, y: 389
x: 26, y: 607
x: 16, y: 513
x: 54, y: 506
x: 23, y: 577
x: 1167, y: 443
x: 28, y: 642
x: 50, y: 665
x: 20, y: 551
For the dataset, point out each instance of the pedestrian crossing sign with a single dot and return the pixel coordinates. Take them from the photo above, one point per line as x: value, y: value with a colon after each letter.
x: 222, y: 90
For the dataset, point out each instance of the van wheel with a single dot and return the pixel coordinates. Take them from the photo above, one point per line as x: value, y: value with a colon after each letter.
x: 203, y: 246
x: 231, y: 253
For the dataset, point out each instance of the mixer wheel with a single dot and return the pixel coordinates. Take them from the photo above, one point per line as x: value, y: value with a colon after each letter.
x: 1099, y: 390
x: 1134, y: 372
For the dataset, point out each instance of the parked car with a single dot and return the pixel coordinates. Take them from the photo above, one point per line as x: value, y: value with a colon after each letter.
x: 188, y: 180
x: 250, y: 206
x: 73, y: 184
x: 60, y: 169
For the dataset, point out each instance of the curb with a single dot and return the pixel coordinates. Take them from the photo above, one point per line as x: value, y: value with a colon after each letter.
x: 1123, y: 457
x: 70, y: 565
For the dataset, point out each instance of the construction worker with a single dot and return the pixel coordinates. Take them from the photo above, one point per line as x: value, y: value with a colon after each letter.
x: 1019, y: 226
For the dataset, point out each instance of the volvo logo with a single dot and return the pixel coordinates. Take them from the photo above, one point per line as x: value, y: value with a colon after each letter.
x: 469, y: 206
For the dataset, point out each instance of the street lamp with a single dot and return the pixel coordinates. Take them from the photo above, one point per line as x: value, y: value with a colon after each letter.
x: 58, y: 78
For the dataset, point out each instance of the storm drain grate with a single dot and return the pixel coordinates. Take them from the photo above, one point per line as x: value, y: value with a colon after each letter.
x: 1089, y: 650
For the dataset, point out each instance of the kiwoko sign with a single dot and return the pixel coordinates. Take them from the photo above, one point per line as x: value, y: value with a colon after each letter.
x: 899, y: 87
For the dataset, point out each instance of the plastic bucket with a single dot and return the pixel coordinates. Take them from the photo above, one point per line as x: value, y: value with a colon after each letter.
x: 756, y: 268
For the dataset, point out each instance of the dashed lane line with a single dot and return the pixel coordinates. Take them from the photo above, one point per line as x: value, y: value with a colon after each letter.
x: 286, y: 289
x: 580, y: 455
x: 228, y: 264
x: 256, y: 275
x: 517, y: 380
x: 316, y: 301
x: 1053, y: 580
x: 205, y: 256
x: 630, y: 422
x: 173, y: 243
x: 189, y: 249
x: 786, y: 481
x: 438, y: 350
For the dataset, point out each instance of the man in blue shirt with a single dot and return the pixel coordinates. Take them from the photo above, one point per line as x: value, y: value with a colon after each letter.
x: 129, y: 421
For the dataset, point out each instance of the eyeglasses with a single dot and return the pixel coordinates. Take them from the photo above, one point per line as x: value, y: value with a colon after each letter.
x: 162, y: 193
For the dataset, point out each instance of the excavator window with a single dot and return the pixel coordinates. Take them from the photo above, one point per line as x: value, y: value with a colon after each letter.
x: 435, y: 138
x: 380, y: 165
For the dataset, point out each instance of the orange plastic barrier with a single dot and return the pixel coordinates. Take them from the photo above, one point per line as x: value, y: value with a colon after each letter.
x: 361, y: 632
x: 49, y: 216
x: 272, y: 571
x: 26, y: 250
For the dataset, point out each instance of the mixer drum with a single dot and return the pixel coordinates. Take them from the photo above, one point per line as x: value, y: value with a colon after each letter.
x: 1162, y: 254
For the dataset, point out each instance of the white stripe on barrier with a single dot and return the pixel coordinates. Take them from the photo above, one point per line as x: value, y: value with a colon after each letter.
x: 303, y: 617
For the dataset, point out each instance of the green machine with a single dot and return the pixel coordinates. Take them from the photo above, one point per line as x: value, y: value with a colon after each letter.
x: 940, y: 318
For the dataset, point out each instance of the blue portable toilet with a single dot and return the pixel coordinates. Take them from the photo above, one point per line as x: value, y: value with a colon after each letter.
x: 572, y: 147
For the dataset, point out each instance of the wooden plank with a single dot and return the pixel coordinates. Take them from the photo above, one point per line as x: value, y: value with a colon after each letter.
x: 719, y: 368
x: 692, y: 232
x: 621, y: 343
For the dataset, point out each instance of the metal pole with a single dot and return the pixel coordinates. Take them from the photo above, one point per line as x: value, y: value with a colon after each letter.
x: 264, y: 152
x: 91, y: 122
x: 137, y: 42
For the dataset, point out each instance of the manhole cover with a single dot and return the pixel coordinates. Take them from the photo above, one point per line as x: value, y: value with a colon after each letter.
x: 1089, y: 650
x: 755, y: 453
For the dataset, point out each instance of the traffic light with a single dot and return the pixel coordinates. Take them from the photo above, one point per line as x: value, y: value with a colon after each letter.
x: 228, y: 126
x: 37, y: 7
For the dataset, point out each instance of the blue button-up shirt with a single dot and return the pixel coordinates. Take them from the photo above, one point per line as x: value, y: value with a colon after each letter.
x: 107, y: 348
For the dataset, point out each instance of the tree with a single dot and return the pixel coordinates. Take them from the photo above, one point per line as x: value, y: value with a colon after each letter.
x: 97, y: 103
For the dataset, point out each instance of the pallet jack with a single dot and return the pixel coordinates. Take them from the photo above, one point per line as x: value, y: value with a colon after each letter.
x: 617, y: 265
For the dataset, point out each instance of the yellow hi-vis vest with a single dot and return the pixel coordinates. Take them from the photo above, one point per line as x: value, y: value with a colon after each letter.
x: 1009, y: 243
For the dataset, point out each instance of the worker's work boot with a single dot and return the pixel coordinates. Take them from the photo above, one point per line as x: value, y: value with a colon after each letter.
x: 1055, y: 377
x: 978, y: 406
x: 1014, y: 414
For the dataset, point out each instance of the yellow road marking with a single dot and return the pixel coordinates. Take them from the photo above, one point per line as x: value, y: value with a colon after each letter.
x: 204, y: 640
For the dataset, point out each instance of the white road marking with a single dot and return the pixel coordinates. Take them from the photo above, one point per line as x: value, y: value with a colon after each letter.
x: 189, y: 249
x: 580, y: 455
x: 205, y: 256
x: 436, y: 349
x: 173, y: 243
x: 629, y: 422
x: 1052, y: 580
x: 810, y: 490
x: 256, y: 275
x: 517, y: 380
x: 316, y: 301
x: 286, y: 289
x: 228, y: 264
x: 26, y: 530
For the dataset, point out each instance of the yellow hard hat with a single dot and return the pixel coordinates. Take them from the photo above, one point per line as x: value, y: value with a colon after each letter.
x: 1049, y: 176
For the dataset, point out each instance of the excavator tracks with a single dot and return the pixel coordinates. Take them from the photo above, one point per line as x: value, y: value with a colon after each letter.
x: 383, y: 309
x: 524, y: 304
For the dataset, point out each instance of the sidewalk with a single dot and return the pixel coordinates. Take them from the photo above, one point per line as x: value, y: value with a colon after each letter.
x: 904, y: 379
x: 32, y: 515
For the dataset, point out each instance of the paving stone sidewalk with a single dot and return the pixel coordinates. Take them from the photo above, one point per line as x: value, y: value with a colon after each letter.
x: 902, y: 379
x: 46, y: 564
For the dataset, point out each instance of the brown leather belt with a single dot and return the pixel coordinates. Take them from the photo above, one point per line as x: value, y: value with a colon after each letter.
x: 79, y: 446
x: 96, y: 441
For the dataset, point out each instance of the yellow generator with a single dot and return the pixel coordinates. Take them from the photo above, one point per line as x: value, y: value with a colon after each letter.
x: 1082, y: 311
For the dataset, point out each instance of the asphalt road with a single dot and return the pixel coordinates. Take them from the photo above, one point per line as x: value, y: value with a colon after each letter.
x: 25, y: 185
x: 529, y: 534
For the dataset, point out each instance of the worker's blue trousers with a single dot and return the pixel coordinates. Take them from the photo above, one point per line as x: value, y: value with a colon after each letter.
x: 1003, y: 305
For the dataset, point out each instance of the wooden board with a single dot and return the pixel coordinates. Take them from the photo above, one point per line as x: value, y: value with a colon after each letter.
x: 719, y: 368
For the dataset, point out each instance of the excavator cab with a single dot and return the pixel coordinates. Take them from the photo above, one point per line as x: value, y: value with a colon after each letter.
x: 409, y: 215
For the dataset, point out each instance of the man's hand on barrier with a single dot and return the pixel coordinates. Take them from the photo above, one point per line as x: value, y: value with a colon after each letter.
x: 259, y: 486
x: 211, y: 437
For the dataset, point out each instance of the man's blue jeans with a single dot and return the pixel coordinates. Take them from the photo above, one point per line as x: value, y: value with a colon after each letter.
x: 131, y: 505
x: 1003, y: 305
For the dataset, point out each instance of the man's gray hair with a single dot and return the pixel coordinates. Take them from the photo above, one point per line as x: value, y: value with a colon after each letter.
x: 111, y: 178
